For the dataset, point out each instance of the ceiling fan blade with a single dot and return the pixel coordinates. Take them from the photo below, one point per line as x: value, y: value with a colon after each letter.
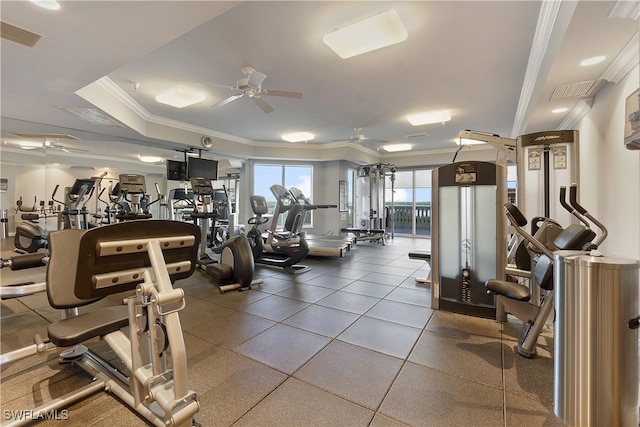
x: 264, y: 105
x: 224, y: 86
x: 227, y: 100
x: 256, y: 78
x: 284, y: 93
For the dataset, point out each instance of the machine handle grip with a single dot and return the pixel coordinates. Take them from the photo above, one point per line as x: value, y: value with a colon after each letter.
x: 634, y: 323
x: 563, y: 199
x: 573, y: 199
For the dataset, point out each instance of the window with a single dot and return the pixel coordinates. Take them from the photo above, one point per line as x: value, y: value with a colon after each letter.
x: 411, y: 201
x: 266, y: 175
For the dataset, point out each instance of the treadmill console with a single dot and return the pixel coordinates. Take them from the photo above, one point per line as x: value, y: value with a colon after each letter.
x: 201, y: 186
x: 132, y: 184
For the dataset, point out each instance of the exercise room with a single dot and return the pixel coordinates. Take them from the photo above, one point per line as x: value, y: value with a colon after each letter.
x: 306, y: 213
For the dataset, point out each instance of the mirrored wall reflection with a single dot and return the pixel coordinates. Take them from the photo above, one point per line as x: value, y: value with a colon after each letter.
x: 39, y: 165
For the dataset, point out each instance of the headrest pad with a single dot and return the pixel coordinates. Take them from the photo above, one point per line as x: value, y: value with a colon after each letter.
x: 521, y: 221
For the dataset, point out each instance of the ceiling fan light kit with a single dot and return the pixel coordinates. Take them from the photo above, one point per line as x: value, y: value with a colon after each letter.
x: 381, y: 30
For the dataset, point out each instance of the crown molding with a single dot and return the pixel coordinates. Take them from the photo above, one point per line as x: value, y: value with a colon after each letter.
x: 626, y: 60
x: 116, y: 91
x: 625, y: 9
x: 576, y: 114
x: 553, y: 20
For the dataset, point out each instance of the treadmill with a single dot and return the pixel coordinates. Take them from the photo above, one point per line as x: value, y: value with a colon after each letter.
x: 317, y: 248
x: 348, y: 238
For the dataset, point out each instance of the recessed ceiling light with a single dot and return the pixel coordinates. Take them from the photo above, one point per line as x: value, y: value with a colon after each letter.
x: 47, y: 4
x: 298, y: 136
x: 150, y: 159
x: 180, y: 97
x: 392, y: 148
x: 382, y: 30
x: 593, y: 60
x: 429, y: 117
x: 30, y: 145
x: 559, y: 110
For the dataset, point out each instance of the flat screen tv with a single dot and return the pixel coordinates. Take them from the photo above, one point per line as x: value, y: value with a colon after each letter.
x: 176, y: 171
x: 202, y: 168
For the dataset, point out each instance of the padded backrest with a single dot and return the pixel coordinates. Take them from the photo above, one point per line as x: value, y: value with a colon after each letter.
x: 515, y: 213
x: 64, y: 246
x: 79, y: 274
x: 110, y: 255
x: 574, y: 236
x: 294, y: 218
x: 543, y: 272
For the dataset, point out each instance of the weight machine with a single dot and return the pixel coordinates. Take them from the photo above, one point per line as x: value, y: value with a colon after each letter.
x: 371, y: 213
x: 468, y: 237
x: 145, y: 333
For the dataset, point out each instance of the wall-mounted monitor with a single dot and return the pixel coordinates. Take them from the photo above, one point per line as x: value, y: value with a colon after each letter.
x: 202, y: 168
x: 176, y: 171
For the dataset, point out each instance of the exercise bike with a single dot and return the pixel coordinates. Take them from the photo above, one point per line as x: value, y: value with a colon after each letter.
x: 282, y: 248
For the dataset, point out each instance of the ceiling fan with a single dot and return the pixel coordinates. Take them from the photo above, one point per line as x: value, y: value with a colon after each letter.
x: 251, y: 87
x: 359, y: 138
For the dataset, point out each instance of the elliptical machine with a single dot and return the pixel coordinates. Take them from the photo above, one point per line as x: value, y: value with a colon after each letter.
x: 30, y: 237
x: 282, y: 248
x: 236, y: 266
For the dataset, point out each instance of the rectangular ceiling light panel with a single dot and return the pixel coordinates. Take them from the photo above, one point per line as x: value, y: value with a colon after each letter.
x: 429, y: 117
x: 394, y: 148
x: 382, y: 30
x: 180, y: 97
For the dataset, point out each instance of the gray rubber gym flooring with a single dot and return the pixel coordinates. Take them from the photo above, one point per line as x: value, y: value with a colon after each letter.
x: 352, y: 342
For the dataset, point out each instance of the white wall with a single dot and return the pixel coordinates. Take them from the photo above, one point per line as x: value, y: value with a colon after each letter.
x: 609, y: 173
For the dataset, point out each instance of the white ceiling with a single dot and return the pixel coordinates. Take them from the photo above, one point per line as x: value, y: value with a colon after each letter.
x: 493, y: 65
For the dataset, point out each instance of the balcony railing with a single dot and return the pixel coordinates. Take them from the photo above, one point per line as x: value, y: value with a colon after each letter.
x: 404, y: 214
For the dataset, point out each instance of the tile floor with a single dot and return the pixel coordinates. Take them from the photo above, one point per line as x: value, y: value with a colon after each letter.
x: 352, y: 342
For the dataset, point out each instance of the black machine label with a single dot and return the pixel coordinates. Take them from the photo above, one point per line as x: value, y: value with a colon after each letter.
x: 466, y: 173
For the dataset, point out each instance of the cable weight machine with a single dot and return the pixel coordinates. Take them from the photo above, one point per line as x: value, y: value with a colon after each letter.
x: 468, y: 236
x: 372, y: 217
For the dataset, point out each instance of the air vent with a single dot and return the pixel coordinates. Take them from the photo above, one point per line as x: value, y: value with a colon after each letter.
x: 584, y: 89
x: 91, y: 115
x: 18, y: 35
x: 415, y: 135
x: 44, y: 135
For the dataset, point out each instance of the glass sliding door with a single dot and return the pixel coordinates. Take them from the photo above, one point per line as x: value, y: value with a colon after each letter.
x: 422, y: 188
x: 402, y: 198
x: 410, y: 202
